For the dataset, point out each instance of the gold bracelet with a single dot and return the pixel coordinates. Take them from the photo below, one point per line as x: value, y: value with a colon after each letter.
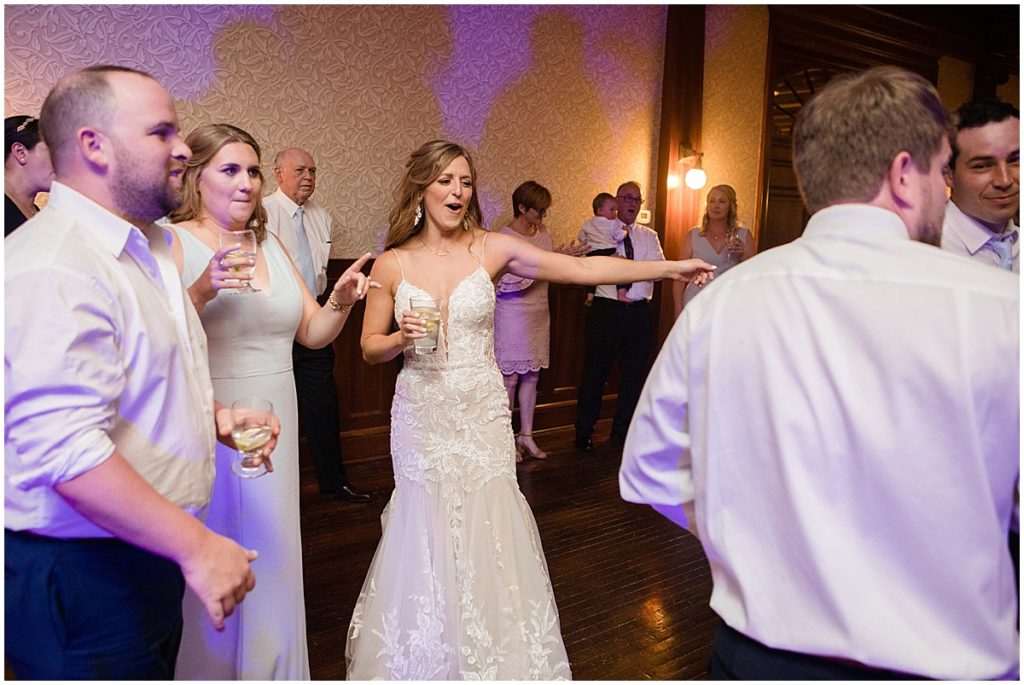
x: 338, y: 306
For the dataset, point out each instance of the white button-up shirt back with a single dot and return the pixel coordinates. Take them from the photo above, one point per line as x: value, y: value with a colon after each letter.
x: 845, y: 412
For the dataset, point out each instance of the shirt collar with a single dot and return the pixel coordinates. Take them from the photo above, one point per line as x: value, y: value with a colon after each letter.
x: 110, y: 231
x: 974, y: 233
x: 1012, y: 232
x: 856, y: 220
x: 289, y: 204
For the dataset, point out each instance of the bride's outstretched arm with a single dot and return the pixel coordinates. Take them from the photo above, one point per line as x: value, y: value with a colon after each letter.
x: 507, y: 254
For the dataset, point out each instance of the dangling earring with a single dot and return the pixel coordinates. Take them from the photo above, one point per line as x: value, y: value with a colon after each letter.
x: 465, y: 223
x: 419, y: 215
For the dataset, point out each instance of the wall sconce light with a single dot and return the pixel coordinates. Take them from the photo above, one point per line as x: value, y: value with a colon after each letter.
x: 695, y: 177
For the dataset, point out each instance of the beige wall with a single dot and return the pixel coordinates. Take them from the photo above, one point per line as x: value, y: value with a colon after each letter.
x: 735, y: 62
x: 567, y: 96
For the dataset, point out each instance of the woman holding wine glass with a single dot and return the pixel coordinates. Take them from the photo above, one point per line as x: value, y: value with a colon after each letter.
x: 250, y: 348
x: 458, y: 588
x: 719, y: 240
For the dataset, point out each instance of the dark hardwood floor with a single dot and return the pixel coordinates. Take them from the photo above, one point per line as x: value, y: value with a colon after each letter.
x: 632, y: 589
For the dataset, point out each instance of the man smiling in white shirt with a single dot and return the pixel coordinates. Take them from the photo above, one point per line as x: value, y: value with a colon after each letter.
x: 984, y: 177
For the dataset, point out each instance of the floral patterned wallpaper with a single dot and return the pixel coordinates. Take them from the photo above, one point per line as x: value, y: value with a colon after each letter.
x: 735, y: 63
x: 565, y: 95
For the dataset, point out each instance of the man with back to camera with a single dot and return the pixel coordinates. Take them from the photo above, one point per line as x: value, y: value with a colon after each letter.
x: 984, y: 177
x: 305, y: 229
x: 619, y: 326
x: 109, y: 409
x: 823, y: 419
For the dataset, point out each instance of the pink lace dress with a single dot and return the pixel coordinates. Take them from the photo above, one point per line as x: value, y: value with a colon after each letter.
x: 522, y: 321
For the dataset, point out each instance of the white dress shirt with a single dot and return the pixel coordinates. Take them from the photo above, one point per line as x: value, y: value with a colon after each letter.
x: 317, y: 222
x: 967, y: 236
x: 103, y: 351
x: 850, y: 446
x: 646, y: 246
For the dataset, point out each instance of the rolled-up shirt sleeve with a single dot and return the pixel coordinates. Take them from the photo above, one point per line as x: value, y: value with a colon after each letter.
x: 63, y: 376
x: 656, y: 463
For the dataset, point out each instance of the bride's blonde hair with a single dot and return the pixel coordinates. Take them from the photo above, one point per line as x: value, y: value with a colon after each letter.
x: 422, y: 169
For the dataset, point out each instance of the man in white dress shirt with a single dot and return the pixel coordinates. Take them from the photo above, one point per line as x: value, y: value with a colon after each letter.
x: 619, y: 326
x: 305, y: 229
x: 824, y: 420
x: 110, y: 416
x: 984, y: 177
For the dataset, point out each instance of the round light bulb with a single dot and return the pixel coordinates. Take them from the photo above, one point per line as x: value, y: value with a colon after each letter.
x: 696, y: 178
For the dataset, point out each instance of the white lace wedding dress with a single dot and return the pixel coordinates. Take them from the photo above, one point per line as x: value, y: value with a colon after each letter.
x: 458, y: 588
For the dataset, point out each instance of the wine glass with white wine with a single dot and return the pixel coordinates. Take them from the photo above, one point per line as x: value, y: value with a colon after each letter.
x: 247, y: 239
x: 252, y: 431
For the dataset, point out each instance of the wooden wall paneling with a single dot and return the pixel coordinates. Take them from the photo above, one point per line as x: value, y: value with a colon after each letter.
x: 835, y: 39
x: 807, y: 45
x: 364, y: 391
x: 558, y: 385
x: 682, y: 98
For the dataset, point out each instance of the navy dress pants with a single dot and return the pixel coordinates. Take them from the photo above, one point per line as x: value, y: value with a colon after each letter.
x: 89, y: 609
x: 734, y: 656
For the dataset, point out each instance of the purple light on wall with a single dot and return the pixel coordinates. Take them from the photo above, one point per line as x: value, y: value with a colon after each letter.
x: 492, y: 49
x: 174, y: 43
x: 484, y: 61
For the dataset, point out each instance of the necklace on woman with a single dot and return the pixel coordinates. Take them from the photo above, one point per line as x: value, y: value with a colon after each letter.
x: 436, y: 253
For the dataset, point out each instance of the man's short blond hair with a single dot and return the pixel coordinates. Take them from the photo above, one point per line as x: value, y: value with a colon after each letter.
x: 846, y: 137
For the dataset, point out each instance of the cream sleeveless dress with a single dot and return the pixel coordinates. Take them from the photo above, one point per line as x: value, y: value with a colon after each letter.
x: 250, y: 342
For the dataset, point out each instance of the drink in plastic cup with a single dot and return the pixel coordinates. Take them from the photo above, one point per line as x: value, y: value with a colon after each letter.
x: 428, y: 309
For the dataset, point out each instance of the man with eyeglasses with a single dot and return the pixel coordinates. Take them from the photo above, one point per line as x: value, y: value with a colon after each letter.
x: 619, y: 327
x: 305, y: 229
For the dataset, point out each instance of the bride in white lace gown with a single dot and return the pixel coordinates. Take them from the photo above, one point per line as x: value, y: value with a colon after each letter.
x: 458, y: 588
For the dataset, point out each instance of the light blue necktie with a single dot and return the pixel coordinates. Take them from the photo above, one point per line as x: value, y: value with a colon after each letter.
x: 1003, y: 246
x: 305, y: 255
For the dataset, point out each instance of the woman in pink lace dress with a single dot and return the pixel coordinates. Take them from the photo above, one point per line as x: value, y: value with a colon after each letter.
x: 522, y: 322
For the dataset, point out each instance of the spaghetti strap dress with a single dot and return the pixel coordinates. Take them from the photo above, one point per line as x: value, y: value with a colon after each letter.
x: 458, y: 588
